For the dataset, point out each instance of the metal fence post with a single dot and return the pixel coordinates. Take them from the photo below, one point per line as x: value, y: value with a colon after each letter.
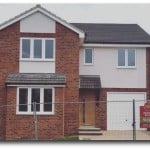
x: 134, y: 122
x: 35, y: 121
x: 83, y: 110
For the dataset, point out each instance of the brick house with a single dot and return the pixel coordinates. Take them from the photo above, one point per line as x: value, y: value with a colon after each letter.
x: 58, y: 64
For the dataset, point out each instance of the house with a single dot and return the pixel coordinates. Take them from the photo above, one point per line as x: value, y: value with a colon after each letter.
x: 57, y: 64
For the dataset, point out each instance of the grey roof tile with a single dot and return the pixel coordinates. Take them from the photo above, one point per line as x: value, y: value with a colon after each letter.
x: 113, y: 33
x: 36, y: 78
x: 90, y: 81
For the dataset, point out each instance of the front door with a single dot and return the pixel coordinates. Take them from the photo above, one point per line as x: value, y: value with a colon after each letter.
x: 87, y: 108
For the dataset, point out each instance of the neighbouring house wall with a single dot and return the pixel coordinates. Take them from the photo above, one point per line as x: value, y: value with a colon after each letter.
x: 9, y: 62
x: 37, y: 23
x: 105, y: 65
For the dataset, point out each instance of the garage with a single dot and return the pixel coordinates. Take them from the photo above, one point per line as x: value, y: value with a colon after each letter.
x: 120, y: 110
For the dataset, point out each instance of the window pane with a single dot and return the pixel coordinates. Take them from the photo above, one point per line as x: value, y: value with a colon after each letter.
x: 47, y: 99
x: 131, y: 57
x: 23, y: 99
x: 37, y: 48
x: 49, y: 48
x: 25, y: 48
x: 88, y: 55
x: 121, y: 57
x: 36, y: 98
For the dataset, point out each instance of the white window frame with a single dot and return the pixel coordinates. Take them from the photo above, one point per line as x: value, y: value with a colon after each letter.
x: 126, y: 59
x: 92, y: 56
x: 32, y: 49
x: 41, y: 112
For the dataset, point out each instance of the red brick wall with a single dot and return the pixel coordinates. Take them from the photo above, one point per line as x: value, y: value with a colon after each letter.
x: 67, y: 61
x: 9, y: 57
x: 22, y: 126
x: 65, y: 121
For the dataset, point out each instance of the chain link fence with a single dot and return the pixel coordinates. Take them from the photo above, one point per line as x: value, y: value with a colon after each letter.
x: 99, y: 120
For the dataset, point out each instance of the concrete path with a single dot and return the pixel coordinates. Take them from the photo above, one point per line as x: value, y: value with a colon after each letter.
x: 117, y: 135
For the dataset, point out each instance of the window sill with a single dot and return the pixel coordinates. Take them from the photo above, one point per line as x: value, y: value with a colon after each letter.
x: 126, y: 67
x: 37, y: 60
x: 88, y: 64
x: 37, y: 113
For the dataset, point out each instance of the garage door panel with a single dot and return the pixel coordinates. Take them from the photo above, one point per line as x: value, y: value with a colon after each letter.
x: 120, y: 110
x: 123, y: 96
x: 119, y: 118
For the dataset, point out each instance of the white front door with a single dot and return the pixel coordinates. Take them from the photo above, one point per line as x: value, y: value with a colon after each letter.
x: 120, y: 110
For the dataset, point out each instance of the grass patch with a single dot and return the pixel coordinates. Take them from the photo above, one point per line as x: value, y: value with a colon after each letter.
x: 69, y: 138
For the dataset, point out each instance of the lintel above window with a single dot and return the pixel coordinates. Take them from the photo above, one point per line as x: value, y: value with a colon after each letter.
x: 37, y: 49
x: 126, y: 58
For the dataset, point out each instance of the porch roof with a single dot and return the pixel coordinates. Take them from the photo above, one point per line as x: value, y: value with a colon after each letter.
x: 36, y: 78
x: 90, y: 81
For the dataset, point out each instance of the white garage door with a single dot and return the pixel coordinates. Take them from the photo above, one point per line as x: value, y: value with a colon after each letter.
x: 120, y: 110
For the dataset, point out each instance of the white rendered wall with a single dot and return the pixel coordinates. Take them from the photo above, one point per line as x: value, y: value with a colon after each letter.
x: 105, y: 65
x: 36, y: 67
x: 37, y: 23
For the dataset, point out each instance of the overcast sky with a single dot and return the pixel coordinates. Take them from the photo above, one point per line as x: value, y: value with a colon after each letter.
x: 88, y: 13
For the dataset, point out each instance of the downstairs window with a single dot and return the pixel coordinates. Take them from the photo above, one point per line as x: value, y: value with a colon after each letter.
x: 44, y: 98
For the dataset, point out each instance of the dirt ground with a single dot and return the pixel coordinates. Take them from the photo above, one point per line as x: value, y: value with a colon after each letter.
x: 117, y: 135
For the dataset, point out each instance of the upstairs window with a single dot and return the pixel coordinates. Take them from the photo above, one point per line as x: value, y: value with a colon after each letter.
x: 126, y: 58
x: 131, y: 57
x: 42, y: 49
x: 25, y: 48
x: 37, y: 49
x: 49, y: 46
x: 88, y: 56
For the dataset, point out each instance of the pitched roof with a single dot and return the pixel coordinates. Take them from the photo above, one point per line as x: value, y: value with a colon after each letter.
x: 90, y: 81
x: 36, y: 78
x: 93, y: 32
x: 113, y: 33
x: 38, y: 8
